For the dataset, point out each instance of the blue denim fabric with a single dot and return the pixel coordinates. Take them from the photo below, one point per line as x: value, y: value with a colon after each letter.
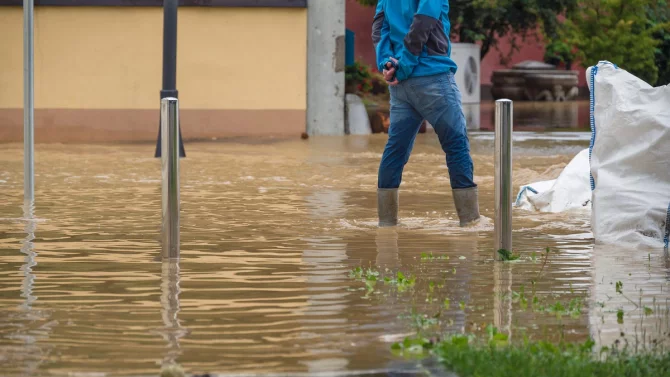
x: 437, y: 99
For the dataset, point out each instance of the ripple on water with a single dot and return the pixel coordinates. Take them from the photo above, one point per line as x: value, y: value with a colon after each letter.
x: 269, y: 235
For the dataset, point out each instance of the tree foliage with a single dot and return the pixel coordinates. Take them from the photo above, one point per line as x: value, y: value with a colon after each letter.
x: 659, y: 20
x: 486, y: 21
x: 620, y: 31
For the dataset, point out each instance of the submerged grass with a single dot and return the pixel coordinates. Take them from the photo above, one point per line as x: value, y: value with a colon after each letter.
x: 495, y: 355
x: 467, y: 356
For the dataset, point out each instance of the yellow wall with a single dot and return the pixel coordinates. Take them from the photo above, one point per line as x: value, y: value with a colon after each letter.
x: 110, y: 58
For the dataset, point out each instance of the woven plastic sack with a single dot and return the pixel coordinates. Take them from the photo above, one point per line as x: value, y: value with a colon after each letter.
x: 571, y: 191
x: 630, y: 158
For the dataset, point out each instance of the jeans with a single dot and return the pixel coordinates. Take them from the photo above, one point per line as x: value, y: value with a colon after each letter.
x: 437, y: 100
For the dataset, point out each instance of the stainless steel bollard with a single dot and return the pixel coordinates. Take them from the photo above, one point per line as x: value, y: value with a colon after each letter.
x: 28, y: 103
x: 503, y: 176
x: 170, y: 172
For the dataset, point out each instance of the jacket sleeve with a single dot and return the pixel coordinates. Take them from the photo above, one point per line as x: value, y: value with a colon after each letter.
x: 425, y: 20
x: 381, y: 37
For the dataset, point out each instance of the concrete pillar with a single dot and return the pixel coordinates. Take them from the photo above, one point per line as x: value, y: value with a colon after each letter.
x: 325, y: 67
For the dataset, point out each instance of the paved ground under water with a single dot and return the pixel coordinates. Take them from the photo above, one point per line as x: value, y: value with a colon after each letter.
x: 270, y: 232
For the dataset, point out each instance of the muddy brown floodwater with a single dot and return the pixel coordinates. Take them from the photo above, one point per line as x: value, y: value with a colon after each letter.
x: 270, y: 232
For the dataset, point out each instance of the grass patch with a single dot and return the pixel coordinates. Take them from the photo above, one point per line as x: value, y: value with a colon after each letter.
x: 468, y: 356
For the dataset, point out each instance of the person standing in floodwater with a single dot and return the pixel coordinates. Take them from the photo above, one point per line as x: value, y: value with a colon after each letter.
x: 413, y: 52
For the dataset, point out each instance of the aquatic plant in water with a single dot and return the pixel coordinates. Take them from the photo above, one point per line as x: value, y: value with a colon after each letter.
x: 508, y: 256
x: 371, y: 276
x: 496, y: 356
x: 428, y: 257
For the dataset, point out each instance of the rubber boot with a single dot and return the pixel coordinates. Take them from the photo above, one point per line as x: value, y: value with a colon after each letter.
x: 387, y: 207
x: 467, y: 205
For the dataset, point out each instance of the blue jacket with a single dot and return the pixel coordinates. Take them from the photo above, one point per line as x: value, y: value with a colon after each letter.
x: 416, y: 33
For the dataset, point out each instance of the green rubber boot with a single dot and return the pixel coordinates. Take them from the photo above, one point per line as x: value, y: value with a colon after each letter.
x: 387, y: 207
x: 467, y: 205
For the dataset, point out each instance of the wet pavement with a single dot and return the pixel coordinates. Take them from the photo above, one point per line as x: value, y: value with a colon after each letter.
x: 271, y: 230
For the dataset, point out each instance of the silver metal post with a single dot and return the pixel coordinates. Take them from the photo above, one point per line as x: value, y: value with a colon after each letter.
x: 503, y: 176
x: 28, y: 103
x: 170, y: 172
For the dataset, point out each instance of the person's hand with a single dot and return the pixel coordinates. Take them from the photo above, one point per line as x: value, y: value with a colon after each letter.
x: 389, y: 72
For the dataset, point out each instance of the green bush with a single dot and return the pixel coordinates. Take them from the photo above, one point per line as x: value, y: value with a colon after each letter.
x: 559, y: 52
x: 619, y: 31
x: 658, y: 13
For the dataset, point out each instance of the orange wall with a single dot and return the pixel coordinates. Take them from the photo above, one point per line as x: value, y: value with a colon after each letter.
x: 110, y: 58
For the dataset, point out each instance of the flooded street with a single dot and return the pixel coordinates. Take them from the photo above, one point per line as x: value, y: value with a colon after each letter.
x: 271, y: 230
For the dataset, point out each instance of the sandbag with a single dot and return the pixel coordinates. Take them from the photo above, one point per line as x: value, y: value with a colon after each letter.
x: 569, y: 192
x: 629, y: 158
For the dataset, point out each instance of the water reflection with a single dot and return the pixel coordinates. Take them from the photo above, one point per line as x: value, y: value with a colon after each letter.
x: 387, y: 248
x: 541, y: 116
x: 327, y: 204
x: 34, y: 328
x: 502, y: 298
x: 630, y: 296
x: 270, y: 232
x: 28, y: 249
x: 172, y: 330
x: 326, y: 304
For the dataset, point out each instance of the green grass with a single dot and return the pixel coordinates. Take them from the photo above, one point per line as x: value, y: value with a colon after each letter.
x: 468, y: 357
x: 493, y: 354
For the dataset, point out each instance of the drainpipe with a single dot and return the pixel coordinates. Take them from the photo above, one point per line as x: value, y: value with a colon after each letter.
x: 169, y: 64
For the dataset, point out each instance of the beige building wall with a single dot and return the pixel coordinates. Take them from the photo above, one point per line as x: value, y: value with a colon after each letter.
x: 98, y: 70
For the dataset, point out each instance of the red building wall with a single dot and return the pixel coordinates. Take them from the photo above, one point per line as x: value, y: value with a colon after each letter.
x: 359, y: 20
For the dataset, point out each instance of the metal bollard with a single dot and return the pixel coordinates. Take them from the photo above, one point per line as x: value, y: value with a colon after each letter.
x: 170, y: 172
x: 503, y: 176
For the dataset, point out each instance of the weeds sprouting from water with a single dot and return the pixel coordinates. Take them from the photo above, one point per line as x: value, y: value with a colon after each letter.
x: 572, y: 309
x: 508, y: 256
x: 371, y: 276
x: 547, y: 251
x: 359, y: 273
x: 496, y: 338
x: 496, y: 357
x: 421, y: 323
x: 429, y: 257
x: 368, y: 276
x: 619, y: 290
x: 520, y: 297
x: 499, y: 350
x: 619, y: 287
x: 401, y: 281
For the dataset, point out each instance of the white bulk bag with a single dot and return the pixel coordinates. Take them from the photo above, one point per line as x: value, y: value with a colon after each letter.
x: 569, y: 192
x: 630, y: 158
